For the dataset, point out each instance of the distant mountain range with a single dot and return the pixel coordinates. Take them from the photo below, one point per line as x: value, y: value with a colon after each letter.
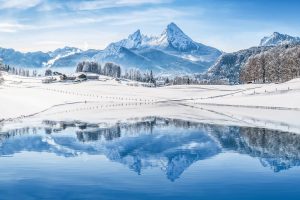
x: 171, y: 52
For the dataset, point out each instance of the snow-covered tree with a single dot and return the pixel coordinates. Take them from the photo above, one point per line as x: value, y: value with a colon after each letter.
x: 87, y: 66
x: 112, y: 70
x: 48, y: 72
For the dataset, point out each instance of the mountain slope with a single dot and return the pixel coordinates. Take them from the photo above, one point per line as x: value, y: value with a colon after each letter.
x: 61, y: 53
x: 19, y: 59
x: 168, y: 62
x: 73, y: 59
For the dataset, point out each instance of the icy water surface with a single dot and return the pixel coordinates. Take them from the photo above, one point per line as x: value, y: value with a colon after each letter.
x: 151, y: 158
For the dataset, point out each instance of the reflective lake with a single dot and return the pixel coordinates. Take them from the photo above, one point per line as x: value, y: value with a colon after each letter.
x: 148, y: 158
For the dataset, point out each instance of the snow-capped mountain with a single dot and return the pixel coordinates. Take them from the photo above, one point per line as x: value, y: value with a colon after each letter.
x: 171, y: 51
x: 133, y: 41
x: 174, y: 38
x: 176, y: 42
x: 279, y: 39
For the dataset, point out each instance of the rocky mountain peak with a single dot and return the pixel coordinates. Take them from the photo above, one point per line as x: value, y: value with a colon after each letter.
x: 278, y: 39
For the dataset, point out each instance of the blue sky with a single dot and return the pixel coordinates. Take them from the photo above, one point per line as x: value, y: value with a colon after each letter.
x: 230, y: 25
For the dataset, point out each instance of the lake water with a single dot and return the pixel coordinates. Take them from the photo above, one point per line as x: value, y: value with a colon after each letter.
x: 149, y: 158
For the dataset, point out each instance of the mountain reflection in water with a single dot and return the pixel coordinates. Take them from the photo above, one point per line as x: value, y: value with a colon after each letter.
x: 169, y: 144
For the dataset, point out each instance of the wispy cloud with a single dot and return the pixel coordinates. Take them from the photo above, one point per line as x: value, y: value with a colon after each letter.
x: 101, y: 4
x: 11, y: 27
x: 18, y: 4
x: 49, y: 42
x: 49, y: 6
x: 158, y: 16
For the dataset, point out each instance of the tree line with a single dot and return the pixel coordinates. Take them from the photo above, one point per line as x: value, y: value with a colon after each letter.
x: 109, y: 69
x: 279, y: 64
x: 149, y: 77
x: 137, y: 75
x: 113, y: 70
x: 18, y: 71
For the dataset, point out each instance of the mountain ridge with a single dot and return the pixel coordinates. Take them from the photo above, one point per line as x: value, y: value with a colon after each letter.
x: 172, y: 43
x: 278, y: 39
x: 177, y: 51
x: 171, y: 52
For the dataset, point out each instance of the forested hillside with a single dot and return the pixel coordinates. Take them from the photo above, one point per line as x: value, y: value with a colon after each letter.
x: 275, y: 65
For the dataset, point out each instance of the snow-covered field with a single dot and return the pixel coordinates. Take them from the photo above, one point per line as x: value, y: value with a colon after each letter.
x: 270, y: 105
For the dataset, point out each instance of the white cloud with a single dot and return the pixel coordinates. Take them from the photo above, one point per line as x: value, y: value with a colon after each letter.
x: 18, y: 4
x: 46, y: 6
x: 9, y: 27
x: 137, y: 18
x: 100, y: 4
x: 158, y: 15
x: 49, y: 42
